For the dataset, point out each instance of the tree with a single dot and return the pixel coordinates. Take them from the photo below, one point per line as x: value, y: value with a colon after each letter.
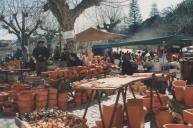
x: 66, y: 14
x: 154, y: 10
x: 134, y: 16
x: 108, y: 17
x: 21, y: 17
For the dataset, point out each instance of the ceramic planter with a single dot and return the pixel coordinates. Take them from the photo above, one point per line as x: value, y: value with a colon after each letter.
x: 135, y: 107
x: 163, y: 116
x: 179, y: 88
x: 118, y: 118
x: 179, y: 92
x: 188, y: 96
x: 188, y: 115
x: 176, y: 126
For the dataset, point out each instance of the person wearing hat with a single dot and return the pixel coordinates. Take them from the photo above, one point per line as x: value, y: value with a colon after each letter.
x: 41, y: 55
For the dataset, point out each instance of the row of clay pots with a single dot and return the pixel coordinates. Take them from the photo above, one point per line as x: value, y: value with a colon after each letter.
x: 134, y: 107
x: 156, y: 103
x: 25, y: 101
x: 183, y: 92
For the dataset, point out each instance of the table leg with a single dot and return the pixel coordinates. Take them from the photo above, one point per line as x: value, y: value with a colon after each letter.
x: 152, y: 114
x: 100, y: 108
x: 160, y: 101
x: 114, y: 109
x: 132, y: 91
x: 124, y: 94
x: 88, y: 104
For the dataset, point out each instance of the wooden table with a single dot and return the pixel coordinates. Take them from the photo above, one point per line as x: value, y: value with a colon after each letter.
x: 116, y: 83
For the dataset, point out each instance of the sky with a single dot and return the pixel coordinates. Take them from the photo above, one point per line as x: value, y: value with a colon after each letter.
x: 144, y: 5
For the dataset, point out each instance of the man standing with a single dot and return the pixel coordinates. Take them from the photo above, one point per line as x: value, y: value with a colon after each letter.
x: 41, y: 55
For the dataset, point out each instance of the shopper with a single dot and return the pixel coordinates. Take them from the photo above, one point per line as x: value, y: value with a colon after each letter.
x: 41, y: 55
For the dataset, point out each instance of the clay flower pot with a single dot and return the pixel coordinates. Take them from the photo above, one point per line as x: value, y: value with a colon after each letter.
x: 188, y: 115
x: 179, y: 88
x: 163, y: 116
x: 52, y: 103
x: 188, y: 96
x: 176, y: 126
x: 118, y: 118
x: 135, y: 107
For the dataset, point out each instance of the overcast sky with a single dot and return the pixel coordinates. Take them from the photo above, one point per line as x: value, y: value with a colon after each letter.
x: 144, y: 5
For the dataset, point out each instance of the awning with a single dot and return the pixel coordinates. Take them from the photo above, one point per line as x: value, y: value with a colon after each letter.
x: 169, y: 40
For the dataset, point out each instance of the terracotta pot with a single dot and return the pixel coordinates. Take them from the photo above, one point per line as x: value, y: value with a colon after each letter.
x: 52, y: 96
x: 4, y: 96
x: 176, y: 126
x: 25, y: 103
x: 188, y: 96
x: 62, y: 96
x: 146, y: 103
x: 179, y: 83
x: 8, y: 110
x: 26, y: 109
x: 25, y: 96
x: 179, y: 92
x: 41, y: 91
x: 41, y: 98
x: 84, y: 97
x: 52, y: 103
x: 41, y: 104
x: 162, y: 117
x: 135, y: 107
x: 78, y: 101
x: 118, y: 118
x: 52, y: 91
x: 188, y: 115
x: 63, y: 105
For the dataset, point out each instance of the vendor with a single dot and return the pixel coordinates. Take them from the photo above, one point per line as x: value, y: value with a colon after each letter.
x: 41, y: 55
x: 127, y: 66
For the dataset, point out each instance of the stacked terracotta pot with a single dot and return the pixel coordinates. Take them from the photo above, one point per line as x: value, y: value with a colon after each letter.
x: 8, y: 108
x: 41, y: 98
x: 62, y: 100
x: 135, y: 107
x: 179, y: 88
x: 52, y: 97
x: 156, y: 103
x: 3, y: 97
x: 118, y: 118
x: 78, y: 98
x: 163, y: 116
x: 25, y: 101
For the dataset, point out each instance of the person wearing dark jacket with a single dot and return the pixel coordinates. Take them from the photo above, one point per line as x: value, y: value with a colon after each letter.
x: 41, y: 55
x: 128, y: 67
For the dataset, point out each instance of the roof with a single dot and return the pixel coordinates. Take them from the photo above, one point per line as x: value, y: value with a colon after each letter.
x: 92, y: 34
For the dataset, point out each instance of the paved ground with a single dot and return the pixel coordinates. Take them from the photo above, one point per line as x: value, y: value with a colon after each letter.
x: 92, y: 115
